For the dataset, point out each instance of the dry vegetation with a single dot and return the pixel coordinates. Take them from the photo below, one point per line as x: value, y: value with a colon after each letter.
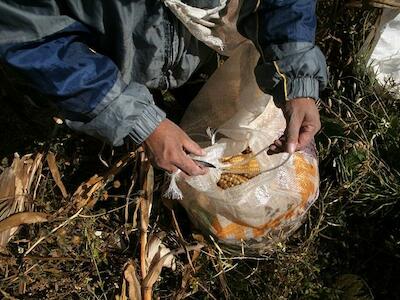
x: 92, y: 242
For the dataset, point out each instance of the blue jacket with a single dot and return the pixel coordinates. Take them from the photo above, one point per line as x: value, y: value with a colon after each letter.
x: 100, y: 58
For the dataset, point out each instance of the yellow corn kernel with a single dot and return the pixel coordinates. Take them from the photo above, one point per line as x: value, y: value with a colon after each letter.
x: 237, y: 173
x: 251, y: 167
x: 228, y: 180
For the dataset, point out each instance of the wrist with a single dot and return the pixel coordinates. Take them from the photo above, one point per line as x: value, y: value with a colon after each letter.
x: 302, y: 87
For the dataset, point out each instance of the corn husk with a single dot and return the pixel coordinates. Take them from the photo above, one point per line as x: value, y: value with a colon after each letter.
x: 16, y: 184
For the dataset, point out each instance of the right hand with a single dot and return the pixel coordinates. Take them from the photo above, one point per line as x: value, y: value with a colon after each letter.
x: 169, y: 145
x: 303, y: 123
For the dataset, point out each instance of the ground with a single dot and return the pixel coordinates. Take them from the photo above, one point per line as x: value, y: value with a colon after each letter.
x: 348, y: 248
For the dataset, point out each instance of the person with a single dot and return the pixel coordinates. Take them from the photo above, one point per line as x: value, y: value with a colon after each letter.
x: 100, y: 60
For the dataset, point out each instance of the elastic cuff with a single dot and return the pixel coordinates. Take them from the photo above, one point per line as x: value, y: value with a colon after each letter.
x: 302, y: 88
x: 144, y: 125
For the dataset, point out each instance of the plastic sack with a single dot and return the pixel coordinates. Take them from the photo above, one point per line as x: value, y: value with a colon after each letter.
x: 385, y: 55
x: 269, y: 207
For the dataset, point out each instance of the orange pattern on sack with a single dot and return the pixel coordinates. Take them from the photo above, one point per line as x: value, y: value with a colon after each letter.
x: 306, y: 174
x: 236, y: 230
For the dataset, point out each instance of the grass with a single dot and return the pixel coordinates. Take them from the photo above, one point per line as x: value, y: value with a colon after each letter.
x: 348, y: 248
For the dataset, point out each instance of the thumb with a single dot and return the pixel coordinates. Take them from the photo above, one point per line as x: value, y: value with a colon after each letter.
x: 293, y: 129
x: 193, y: 147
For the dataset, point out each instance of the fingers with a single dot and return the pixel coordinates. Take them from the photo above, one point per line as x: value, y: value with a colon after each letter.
x: 182, y: 162
x: 167, y: 167
x: 186, y: 164
x: 304, y: 135
x: 279, y: 143
x: 277, y: 146
x: 167, y: 145
x: 302, y: 123
x: 293, y: 130
x: 310, y: 127
x: 189, y: 167
x: 192, y: 147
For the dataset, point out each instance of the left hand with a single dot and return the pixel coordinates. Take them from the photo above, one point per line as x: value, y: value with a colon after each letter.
x: 302, y: 123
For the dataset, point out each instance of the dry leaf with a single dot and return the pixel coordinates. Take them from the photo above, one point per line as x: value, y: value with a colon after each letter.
x: 130, y: 279
x: 86, y: 194
x: 155, y: 246
x: 7, y: 192
x: 51, y: 161
x: 15, y: 189
x: 150, y: 187
x: 134, y: 289
x: 155, y: 269
x: 18, y: 219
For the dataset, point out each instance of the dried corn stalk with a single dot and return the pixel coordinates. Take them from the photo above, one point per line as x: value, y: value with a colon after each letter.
x: 87, y: 194
x: 240, y: 169
x: 16, y: 184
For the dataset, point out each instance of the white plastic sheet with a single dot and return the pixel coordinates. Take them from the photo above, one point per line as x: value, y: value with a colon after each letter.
x: 385, y: 57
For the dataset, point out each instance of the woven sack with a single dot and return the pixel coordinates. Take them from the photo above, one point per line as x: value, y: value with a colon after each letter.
x: 269, y: 207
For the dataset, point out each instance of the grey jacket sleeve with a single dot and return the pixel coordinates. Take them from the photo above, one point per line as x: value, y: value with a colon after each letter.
x: 291, y: 66
x: 127, y: 110
x: 84, y: 84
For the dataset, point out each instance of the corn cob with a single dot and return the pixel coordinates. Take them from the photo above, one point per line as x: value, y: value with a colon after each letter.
x: 242, y: 163
x: 237, y: 173
x: 230, y: 180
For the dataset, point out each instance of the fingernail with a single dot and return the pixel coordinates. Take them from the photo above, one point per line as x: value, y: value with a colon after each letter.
x: 291, y: 148
x: 203, y: 152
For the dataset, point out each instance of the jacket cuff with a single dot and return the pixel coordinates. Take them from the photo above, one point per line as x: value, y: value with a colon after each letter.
x: 148, y: 121
x: 302, y: 88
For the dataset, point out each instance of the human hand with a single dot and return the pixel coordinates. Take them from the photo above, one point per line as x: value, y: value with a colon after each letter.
x: 169, y: 145
x: 302, y: 123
